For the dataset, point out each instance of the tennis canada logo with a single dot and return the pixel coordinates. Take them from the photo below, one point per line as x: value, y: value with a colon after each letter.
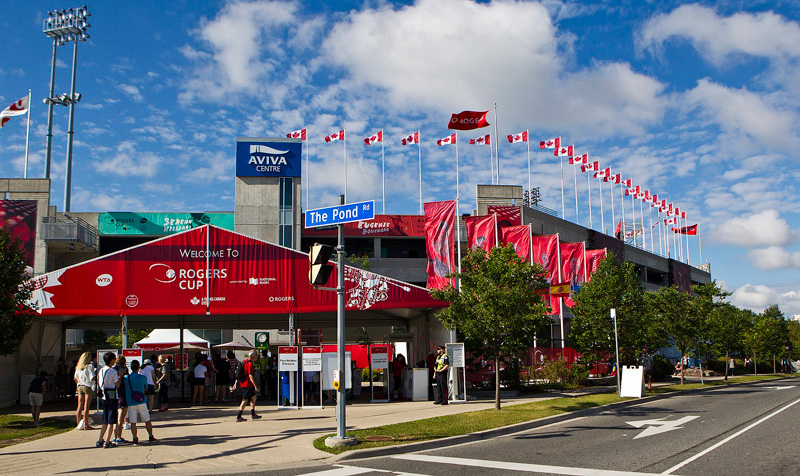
x: 132, y: 300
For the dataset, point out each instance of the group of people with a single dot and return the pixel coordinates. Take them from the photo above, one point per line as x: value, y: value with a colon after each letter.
x: 214, y: 376
x: 125, y: 395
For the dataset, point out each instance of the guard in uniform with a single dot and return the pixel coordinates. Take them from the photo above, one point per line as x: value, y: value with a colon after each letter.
x: 440, y: 369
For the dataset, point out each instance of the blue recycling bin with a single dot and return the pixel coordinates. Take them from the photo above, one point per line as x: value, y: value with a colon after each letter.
x: 286, y: 389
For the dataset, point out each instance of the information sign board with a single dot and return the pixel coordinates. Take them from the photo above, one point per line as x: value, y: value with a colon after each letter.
x: 312, y: 359
x: 456, y: 354
x: 287, y: 359
x: 340, y: 214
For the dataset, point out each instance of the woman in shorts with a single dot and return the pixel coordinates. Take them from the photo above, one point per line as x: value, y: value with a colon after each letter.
x: 85, y: 381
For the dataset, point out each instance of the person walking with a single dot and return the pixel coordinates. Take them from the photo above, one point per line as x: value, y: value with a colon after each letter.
x: 109, y: 383
x: 249, y: 387
x: 163, y: 383
x: 84, y: 378
x: 36, y: 396
x: 440, y: 368
x: 645, y: 361
x: 731, y: 366
x: 135, y: 388
x: 122, y: 404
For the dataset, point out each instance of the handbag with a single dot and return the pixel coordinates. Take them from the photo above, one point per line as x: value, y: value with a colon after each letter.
x: 136, y: 395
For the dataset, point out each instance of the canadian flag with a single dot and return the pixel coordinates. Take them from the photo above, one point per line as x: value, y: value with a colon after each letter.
x: 562, y: 151
x: 627, y: 183
x: 412, y: 139
x: 603, y: 174
x: 589, y: 167
x: 550, y: 143
x: 299, y: 134
x: 17, y: 108
x: 662, y: 207
x: 669, y: 209
x: 377, y: 137
x: 451, y: 139
x: 654, y: 199
x: 581, y: 159
x: 683, y: 215
x: 335, y: 136
x: 630, y: 191
x: 485, y: 140
x: 676, y: 212
x: 646, y: 195
x: 521, y: 137
x: 617, y: 178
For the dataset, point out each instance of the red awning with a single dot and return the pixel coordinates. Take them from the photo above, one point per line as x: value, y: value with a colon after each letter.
x: 209, y: 270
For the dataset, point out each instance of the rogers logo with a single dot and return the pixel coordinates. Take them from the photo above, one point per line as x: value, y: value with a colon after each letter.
x: 162, y: 273
x: 132, y: 300
x: 103, y: 280
x: 281, y: 298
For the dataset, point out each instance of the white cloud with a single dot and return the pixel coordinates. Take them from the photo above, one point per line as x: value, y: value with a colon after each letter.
x: 758, y: 297
x: 763, y: 34
x: 739, y: 111
x: 759, y: 229
x: 131, y: 91
x: 127, y: 161
x: 773, y: 258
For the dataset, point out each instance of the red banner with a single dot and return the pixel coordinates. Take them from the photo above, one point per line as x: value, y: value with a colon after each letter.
x: 573, y: 266
x: 481, y: 232
x: 439, y: 227
x: 215, y: 270
x: 468, y: 120
x: 506, y: 215
x: 545, y: 252
x: 19, y: 216
x: 520, y: 237
x: 382, y: 225
x: 593, y: 259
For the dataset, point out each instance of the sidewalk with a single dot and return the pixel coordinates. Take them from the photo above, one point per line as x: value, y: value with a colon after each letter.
x: 207, y: 440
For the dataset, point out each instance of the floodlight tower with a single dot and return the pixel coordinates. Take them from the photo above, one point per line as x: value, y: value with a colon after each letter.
x: 64, y: 26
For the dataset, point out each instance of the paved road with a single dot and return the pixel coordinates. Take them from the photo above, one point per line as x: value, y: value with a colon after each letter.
x: 741, y: 430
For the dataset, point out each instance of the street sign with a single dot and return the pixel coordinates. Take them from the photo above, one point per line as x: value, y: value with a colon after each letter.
x: 340, y: 214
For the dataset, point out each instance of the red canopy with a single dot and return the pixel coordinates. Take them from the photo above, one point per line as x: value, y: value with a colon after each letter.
x: 209, y: 270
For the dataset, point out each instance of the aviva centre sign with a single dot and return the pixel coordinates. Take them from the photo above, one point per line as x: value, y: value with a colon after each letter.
x: 264, y: 157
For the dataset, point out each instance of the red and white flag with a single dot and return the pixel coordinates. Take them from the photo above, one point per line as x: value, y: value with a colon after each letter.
x: 564, y: 151
x: 412, y: 139
x: 468, y: 120
x: 616, y: 178
x: 627, y: 183
x: 439, y: 226
x: 521, y: 137
x: 671, y: 221
x: 580, y: 159
x: 550, y: 143
x: 630, y: 191
x: 654, y: 199
x: 299, y: 134
x: 377, y: 137
x: 603, y: 174
x: 17, y: 108
x: 451, y: 139
x: 589, y: 167
x: 335, y: 136
x: 683, y: 215
x: 686, y: 230
x: 481, y: 232
x: 485, y: 140
x: 646, y: 195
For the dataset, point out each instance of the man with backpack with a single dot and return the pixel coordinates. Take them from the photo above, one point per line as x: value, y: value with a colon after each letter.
x: 245, y: 378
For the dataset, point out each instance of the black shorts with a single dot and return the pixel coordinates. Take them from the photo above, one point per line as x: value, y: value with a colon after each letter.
x: 248, y: 393
x: 110, y: 411
x: 151, y: 390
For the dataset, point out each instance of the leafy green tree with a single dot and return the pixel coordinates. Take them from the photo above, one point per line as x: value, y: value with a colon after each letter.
x: 134, y: 335
x: 683, y: 325
x: 616, y: 285
x: 500, y: 303
x: 94, y: 338
x: 727, y: 326
x: 794, y: 339
x: 775, y: 338
x: 15, y: 290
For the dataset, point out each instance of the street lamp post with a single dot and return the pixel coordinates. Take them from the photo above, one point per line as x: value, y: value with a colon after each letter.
x: 616, y: 347
x: 64, y: 26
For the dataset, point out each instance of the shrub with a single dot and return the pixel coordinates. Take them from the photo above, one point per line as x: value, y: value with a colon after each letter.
x: 560, y: 374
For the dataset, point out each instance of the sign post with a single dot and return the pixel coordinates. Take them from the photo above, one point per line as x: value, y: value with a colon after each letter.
x: 458, y: 367
x: 339, y: 215
x: 312, y: 366
x: 288, y: 366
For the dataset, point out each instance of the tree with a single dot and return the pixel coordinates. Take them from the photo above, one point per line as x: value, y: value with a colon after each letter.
x: 794, y: 339
x: 500, y: 303
x: 15, y: 291
x: 94, y: 338
x: 775, y: 337
x: 727, y: 326
x: 134, y: 335
x: 683, y: 325
x: 616, y: 285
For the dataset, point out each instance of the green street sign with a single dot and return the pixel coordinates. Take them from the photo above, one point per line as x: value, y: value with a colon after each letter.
x: 262, y: 340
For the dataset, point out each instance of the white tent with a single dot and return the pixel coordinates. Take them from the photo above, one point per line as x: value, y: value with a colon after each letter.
x: 163, y: 339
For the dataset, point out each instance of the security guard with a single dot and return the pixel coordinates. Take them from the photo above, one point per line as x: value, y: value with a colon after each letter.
x: 440, y: 375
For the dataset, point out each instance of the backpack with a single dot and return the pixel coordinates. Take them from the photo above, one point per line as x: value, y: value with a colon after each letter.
x: 239, y: 373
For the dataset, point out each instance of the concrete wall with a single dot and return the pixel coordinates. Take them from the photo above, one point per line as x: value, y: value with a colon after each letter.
x: 31, y: 189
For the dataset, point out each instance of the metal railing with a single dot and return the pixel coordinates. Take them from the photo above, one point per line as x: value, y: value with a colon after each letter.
x: 69, y: 229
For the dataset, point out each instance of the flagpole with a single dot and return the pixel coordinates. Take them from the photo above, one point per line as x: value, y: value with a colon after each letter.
x: 27, y: 136
x: 458, y: 213
x: 674, y: 245
x: 575, y: 179
x: 496, y: 145
x: 308, y: 169
x: 700, y: 247
x: 530, y: 242
x: 491, y: 158
x: 602, y: 211
x: 613, y: 215
x: 345, y: 164
x: 560, y: 299
x: 589, y: 182
x: 644, y: 232
x: 496, y: 235
x: 383, y: 171
x: 528, y: 141
x: 633, y: 208
x: 419, y: 152
x: 686, y: 224
x: 622, y: 206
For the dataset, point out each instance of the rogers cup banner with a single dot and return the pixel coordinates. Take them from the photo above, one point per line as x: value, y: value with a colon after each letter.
x: 439, y: 227
x: 573, y: 266
x: 520, y: 237
x: 212, y: 269
x: 481, y: 232
x: 593, y: 259
x: 545, y: 252
x: 19, y: 217
x: 268, y: 157
x: 468, y: 120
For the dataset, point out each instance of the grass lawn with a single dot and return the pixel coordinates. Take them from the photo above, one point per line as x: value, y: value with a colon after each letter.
x: 470, y: 422
x: 18, y: 429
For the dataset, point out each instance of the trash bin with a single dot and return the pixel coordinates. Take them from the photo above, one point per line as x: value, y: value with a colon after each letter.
x: 435, y: 392
x: 286, y: 389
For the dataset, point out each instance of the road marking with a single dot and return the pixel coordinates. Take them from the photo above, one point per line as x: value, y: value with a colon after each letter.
x: 345, y: 471
x: 712, y: 448
x: 782, y: 388
x: 530, y: 468
x: 660, y: 425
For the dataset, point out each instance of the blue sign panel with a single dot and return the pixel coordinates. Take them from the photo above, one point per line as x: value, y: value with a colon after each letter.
x: 268, y: 157
x: 340, y: 214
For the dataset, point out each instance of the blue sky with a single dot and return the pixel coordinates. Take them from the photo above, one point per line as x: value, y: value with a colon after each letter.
x: 697, y: 102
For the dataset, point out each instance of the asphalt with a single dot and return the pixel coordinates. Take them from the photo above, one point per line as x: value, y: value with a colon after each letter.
x: 208, y: 440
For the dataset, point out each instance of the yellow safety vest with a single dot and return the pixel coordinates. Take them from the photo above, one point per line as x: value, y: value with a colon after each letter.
x: 441, y: 361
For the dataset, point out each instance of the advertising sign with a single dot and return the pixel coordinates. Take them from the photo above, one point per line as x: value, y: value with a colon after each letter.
x: 159, y: 224
x: 262, y: 340
x: 131, y: 355
x: 382, y: 225
x: 312, y: 359
x: 380, y: 357
x: 287, y: 359
x: 19, y: 217
x: 264, y: 157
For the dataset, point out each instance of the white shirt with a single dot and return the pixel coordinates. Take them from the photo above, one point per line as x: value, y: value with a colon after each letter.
x: 147, y: 371
x: 200, y: 371
x: 84, y: 376
x: 110, y: 378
